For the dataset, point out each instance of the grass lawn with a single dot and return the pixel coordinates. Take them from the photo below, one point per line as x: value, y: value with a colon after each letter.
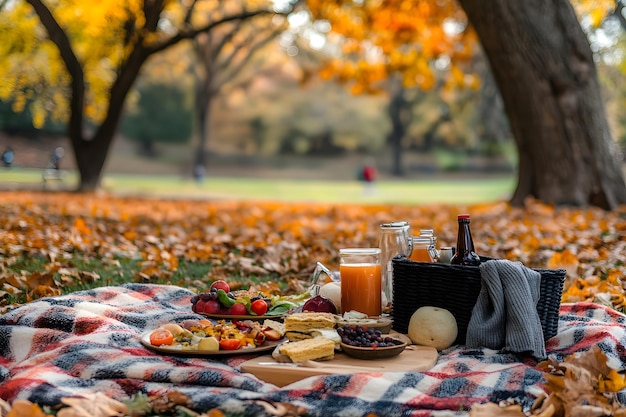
x: 433, y: 189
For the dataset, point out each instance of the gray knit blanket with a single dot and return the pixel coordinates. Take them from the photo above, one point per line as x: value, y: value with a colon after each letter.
x: 505, y: 315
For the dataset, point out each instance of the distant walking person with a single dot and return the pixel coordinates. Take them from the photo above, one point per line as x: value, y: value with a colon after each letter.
x: 8, y: 157
x: 199, y: 173
x: 55, y: 159
x: 368, y: 175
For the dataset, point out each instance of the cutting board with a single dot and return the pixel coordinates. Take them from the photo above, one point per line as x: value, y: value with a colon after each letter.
x: 413, y: 358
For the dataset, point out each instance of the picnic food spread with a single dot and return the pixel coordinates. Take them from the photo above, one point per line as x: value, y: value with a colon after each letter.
x: 206, y: 335
x: 323, y: 326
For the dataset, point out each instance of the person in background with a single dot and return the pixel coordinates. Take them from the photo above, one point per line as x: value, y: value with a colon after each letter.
x: 8, y: 156
x: 199, y: 172
x: 368, y: 175
x: 55, y: 159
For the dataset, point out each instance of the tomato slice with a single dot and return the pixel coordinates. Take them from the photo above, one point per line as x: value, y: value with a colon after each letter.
x: 161, y: 337
x: 230, y: 344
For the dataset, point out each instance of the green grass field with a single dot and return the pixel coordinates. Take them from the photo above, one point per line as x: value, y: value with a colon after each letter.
x: 430, y: 190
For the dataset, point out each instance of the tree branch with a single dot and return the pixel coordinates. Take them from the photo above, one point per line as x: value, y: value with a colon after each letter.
x: 260, y: 43
x: 192, y: 33
x: 58, y: 36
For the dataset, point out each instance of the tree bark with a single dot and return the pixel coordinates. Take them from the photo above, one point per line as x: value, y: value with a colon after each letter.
x: 543, y: 66
x: 399, y: 111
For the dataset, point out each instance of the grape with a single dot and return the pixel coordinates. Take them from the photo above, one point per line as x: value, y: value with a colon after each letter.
x: 360, y: 336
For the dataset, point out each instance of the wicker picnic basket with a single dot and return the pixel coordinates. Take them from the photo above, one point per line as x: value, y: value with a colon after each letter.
x: 456, y: 288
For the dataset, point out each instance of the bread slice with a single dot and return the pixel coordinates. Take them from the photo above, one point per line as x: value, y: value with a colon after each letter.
x: 293, y: 336
x: 308, y: 349
x: 304, y: 322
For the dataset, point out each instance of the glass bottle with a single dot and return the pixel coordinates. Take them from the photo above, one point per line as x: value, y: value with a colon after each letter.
x: 464, y: 253
x: 422, y: 249
x: 394, y: 240
x: 433, y: 247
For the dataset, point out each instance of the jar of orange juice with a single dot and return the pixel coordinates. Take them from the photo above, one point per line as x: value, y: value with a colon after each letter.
x: 422, y: 249
x: 361, y: 281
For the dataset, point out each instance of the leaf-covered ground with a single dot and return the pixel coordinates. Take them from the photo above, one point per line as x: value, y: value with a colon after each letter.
x: 51, y: 242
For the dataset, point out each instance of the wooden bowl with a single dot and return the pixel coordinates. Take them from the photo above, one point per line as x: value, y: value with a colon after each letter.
x: 374, y: 353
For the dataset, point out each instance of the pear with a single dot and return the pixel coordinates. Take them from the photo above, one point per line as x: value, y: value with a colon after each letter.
x: 209, y: 343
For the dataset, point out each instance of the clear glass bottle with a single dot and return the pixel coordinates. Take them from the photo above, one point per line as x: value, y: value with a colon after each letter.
x: 464, y: 252
x: 422, y: 249
x: 433, y: 247
x: 394, y: 240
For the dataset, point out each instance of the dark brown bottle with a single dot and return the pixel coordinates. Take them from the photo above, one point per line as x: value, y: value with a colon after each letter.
x: 465, y: 254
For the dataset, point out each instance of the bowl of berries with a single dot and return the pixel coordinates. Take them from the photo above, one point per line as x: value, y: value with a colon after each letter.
x: 369, y: 343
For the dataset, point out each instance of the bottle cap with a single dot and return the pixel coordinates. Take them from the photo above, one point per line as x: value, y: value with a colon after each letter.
x: 395, y: 225
x: 463, y: 216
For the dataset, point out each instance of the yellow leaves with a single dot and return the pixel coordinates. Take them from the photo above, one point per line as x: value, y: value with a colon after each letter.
x: 81, y: 226
x: 21, y: 408
x: 580, y: 385
x: 566, y: 260
x: 613, y: 381
x: 406, y: 33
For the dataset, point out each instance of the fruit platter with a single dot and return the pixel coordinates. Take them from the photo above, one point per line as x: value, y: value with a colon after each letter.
x: 214, y: 337
x: 219, y: 302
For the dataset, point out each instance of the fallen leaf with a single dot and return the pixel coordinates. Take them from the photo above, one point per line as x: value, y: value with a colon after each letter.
x: 92, y: 405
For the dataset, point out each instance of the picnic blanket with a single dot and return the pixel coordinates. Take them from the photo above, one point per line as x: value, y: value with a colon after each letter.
x: 89, y: 341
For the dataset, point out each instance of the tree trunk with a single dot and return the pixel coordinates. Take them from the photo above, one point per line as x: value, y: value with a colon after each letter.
x: 204, y: 98
x: 544, y: 68
x: 91, y: 153
x: 90, y: 156
x: 399, y: 111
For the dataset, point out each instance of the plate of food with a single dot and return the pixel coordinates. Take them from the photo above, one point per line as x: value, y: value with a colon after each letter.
x: 219, y: 302
x: 212, y: 338
x: 241, y: 317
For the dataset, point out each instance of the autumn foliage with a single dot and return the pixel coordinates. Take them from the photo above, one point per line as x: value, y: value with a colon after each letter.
x: 281, y: 242
x: 381, y: 38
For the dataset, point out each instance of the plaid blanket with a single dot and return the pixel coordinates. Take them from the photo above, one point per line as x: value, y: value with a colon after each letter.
x: 88, y: 342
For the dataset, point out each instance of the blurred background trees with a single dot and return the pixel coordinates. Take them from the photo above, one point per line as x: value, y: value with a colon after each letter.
x: 418, y: 82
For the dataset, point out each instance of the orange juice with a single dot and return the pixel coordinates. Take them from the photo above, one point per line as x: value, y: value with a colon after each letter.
x: 420, y: 255
x: 420, y: 251
x: 361, y: 288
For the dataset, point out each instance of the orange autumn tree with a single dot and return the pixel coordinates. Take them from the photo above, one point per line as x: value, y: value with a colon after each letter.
x: 378, y: 39
x: 77, y: 61
x: 396, y: 46
x: 541, y: 62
